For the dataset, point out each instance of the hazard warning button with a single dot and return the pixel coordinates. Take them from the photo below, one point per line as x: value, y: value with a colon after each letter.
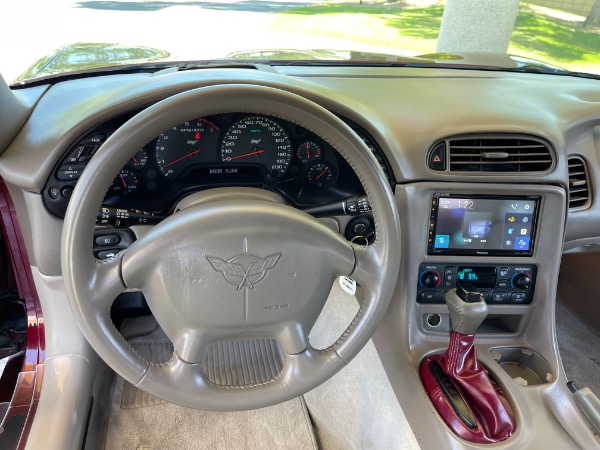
x: 437, y: 157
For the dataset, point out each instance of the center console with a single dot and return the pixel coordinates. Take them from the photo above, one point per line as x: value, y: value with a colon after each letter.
x: 505, y: 239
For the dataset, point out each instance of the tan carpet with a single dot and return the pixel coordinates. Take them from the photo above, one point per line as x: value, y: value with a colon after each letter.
x: 356, y: 409
x: 167, y: 426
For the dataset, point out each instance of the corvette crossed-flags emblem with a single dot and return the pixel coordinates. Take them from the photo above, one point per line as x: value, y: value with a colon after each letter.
x: 245, y: 270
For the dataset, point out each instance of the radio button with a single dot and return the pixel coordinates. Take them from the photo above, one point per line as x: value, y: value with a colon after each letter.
x: 429, y: 296
x: 504, y: 272
x: 499, y: 297
x: 502, y: 284
x: 518, y: 297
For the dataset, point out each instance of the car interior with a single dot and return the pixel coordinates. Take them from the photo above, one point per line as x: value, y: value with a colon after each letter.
x: 301, y: 256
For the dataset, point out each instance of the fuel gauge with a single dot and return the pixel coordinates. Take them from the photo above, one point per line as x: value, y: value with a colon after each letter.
x: 309, y: 152
x: 320, y: 175
x: 125, y: 183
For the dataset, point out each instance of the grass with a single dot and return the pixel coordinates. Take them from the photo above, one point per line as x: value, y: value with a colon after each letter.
x: 414, y: 31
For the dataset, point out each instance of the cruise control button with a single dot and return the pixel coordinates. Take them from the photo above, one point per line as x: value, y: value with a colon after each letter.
x: 108, y: 240
x: 499, y: 297
x: 518, y: 297
x: 70, y: 172
x: 429, y: 296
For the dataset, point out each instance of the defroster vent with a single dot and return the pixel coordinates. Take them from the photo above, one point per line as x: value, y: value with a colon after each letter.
x: 496, y: 153
x: 579, y: 186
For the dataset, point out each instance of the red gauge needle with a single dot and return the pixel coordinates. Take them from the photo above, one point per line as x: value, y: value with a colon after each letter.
x: 308, y: 150
x: 180, y: 159
x: 231, y: 158
x: 123, y: 181
x: 322, y: 173
x: 134, y: 159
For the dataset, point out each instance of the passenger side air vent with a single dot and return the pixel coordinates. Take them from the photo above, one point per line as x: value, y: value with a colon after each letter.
x: 579, y: 187
x: 496, y: 153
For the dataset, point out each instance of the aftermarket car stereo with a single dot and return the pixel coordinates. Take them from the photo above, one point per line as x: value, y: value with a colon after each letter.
x: 482, y: 225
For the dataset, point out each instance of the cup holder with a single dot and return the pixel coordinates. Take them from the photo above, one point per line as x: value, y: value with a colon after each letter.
x: 525, y: 366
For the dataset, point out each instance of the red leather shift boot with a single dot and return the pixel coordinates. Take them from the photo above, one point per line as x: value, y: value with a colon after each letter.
x: 484, y: 399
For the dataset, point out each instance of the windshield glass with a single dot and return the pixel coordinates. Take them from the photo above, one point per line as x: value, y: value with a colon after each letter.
x: 45, y: 37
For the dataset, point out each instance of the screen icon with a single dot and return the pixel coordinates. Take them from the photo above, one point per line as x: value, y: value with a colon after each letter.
x: 523, y: 231
x: 522, y: 243
x: 509, y: 242
x: 442, y: 240
x: 511, y: 219
x: 511, y: 230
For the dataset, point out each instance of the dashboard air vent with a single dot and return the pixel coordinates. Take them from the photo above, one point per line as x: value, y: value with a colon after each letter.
x: 579, y: 187
x: 498, y: 153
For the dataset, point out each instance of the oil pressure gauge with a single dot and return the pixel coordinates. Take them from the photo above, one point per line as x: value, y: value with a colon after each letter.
x: 320, y: 175
x: 309, y: 152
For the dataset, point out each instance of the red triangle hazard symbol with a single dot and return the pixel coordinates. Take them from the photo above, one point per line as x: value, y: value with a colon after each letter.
x: 436, y: 159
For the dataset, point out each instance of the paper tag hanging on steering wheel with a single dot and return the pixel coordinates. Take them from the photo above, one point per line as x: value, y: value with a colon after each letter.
x: 348, y: 285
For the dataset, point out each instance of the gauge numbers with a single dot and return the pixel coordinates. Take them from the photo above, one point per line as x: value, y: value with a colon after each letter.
x: 185, y: 145
x: 258, y: 140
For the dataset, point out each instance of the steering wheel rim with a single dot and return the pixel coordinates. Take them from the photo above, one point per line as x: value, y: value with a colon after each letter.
x: 92, y: 285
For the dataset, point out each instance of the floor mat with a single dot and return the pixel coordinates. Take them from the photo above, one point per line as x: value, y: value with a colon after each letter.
x: 151, y: 351
x: 579, y: 349
x: 171, y: 427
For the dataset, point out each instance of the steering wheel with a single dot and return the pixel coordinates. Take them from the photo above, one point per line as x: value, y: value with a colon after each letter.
x: 235, y: 281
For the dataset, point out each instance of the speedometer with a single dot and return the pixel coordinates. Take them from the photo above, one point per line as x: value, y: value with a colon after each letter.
x: 258, y: 140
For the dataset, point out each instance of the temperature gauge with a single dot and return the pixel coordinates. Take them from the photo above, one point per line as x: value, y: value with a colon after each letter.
x: 320, y: 175
x: 125, y: 183
x: 139, y: 160
x: 309, y: 152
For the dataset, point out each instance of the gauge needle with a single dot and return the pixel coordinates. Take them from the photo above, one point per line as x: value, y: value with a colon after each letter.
x: 308, y: 150
x: 322, y: 173
x: 231, y: 158
x: 134, y: 159
x: 180, y: 159
x: 123, y: 181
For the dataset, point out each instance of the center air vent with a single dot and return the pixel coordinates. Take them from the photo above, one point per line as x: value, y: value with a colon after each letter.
x: 497, y: 153
x: 579, y: 187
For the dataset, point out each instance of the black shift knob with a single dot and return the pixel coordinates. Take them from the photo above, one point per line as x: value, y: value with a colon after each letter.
x: 468, y: 293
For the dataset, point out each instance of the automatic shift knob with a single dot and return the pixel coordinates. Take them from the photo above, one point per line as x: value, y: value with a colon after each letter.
x: 467, y: 308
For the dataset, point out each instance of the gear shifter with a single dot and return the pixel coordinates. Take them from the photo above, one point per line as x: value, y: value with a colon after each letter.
x: 468, y: 400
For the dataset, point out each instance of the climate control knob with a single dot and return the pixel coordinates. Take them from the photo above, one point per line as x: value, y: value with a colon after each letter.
x: 430, y: 279
x: 521, y: 281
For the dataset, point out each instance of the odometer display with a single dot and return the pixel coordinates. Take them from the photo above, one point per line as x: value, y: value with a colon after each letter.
x: 258, y: 140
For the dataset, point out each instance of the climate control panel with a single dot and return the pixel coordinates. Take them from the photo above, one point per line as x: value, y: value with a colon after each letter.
x: 499, y: 284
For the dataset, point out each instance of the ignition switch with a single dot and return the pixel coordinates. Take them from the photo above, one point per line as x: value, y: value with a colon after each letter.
x: 360, y: 230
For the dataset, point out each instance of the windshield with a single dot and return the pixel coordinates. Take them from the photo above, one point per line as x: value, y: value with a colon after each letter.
x: 45, y: 37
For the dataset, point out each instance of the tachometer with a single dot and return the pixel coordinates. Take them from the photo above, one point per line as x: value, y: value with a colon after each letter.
x: 258, y: 140
x: 187, y: 144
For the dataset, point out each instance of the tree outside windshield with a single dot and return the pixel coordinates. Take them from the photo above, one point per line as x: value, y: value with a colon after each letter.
x: 563, y: 33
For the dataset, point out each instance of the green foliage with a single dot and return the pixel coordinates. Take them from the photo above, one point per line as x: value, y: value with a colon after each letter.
x: 414, y: 31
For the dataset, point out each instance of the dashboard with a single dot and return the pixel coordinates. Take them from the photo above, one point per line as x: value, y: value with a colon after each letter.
x: 500, y: 150
x: 234, y: 149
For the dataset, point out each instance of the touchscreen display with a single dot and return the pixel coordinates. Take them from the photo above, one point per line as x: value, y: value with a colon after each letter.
x: 492, y: 224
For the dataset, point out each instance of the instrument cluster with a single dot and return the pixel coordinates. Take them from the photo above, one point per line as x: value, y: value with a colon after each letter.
x: 233, y: 149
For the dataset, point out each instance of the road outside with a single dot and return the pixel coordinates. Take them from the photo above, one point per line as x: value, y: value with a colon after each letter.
x: 188, y: 29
